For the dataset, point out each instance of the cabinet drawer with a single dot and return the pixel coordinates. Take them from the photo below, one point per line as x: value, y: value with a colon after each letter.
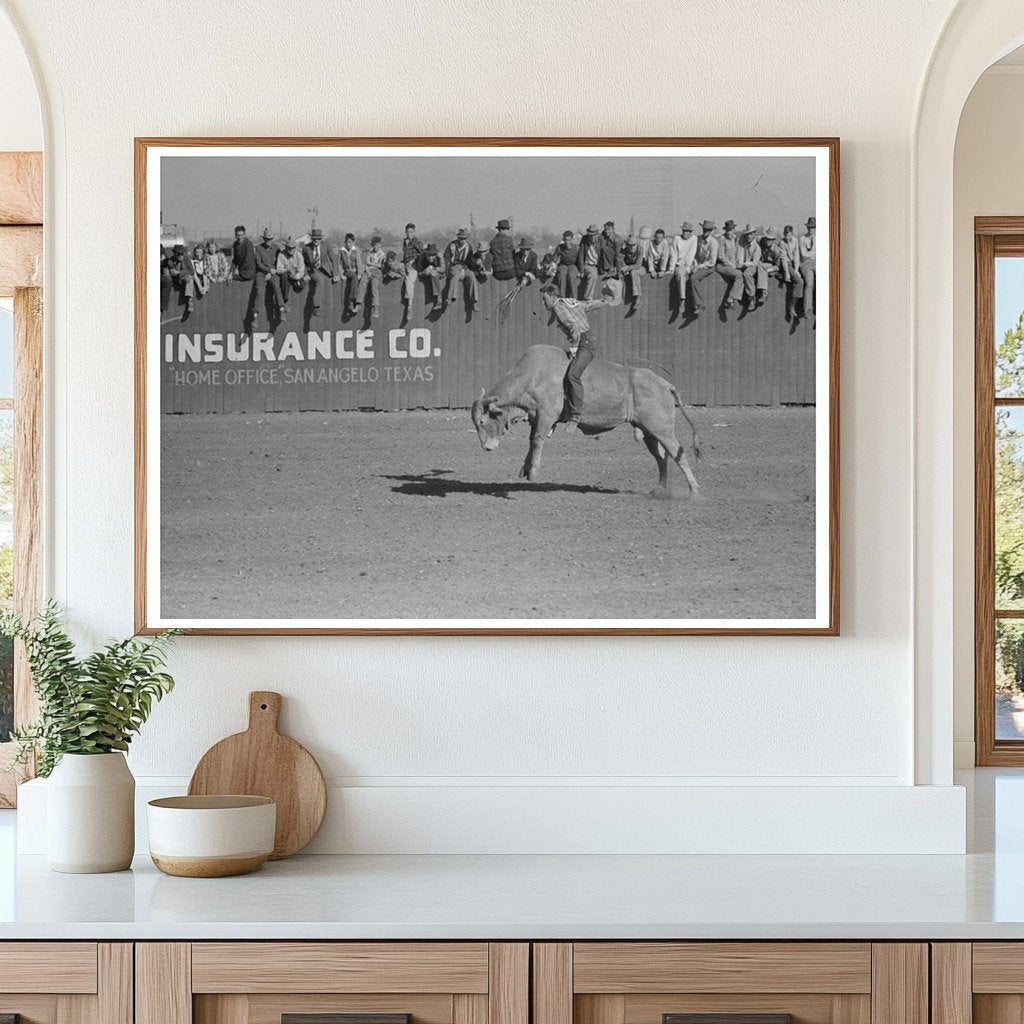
x: 332, y: 983
x: 635, y: 967
x: 340, y: 967
x: 65, y: 967
x: 66, y: 982
x: 730, y: 983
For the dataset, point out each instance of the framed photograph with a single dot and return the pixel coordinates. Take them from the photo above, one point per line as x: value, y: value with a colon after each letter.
x: 494, y: 386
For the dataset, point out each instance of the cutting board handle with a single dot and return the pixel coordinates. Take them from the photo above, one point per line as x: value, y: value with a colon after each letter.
x: 264, y: 710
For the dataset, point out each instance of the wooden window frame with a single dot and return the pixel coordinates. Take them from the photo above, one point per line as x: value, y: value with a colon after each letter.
x: 21, y: 278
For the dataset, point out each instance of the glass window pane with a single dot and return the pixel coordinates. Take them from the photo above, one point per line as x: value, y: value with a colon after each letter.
x: 6, y: 567
x: 1009, y: 679
x: 6, y: 352
x: 1009, y: 322
x: 1009, y: 532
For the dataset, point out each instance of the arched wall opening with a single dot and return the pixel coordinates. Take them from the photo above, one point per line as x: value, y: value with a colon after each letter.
x: 976, y: 34
x: 989, y: 153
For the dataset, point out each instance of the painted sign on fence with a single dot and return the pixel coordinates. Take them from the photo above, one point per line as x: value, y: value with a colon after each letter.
x: 215, y: 360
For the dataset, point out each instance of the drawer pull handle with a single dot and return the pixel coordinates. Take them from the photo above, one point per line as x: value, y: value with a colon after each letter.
x: 727, y: 1018
x: 341, y: 1018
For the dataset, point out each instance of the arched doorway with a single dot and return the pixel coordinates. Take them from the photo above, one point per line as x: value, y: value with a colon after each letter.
x: 976, y: 34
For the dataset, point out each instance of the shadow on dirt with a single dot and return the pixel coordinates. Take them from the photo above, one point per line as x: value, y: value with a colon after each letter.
x: 437, y: 484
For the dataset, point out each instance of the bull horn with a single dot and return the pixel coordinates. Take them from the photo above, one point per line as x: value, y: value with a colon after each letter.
x: 483, y: 391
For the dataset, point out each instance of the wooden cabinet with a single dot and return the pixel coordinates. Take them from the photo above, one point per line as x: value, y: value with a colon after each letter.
x: 66, y: 982
x: 752, y: 982
x: 309, y: 982
x: 978, y: 983
x: 494, y: 983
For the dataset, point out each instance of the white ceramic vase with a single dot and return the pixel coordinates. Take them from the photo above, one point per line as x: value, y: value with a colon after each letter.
x: 90, y: 814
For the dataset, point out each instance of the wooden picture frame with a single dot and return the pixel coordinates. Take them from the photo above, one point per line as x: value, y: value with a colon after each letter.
x: 822, y: 380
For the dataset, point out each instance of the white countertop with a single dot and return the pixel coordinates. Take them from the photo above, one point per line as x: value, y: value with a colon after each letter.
x: 496, y: 897
x: 977, y: 896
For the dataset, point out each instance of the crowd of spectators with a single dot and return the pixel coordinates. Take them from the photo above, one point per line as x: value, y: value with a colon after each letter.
x: 746, y: 259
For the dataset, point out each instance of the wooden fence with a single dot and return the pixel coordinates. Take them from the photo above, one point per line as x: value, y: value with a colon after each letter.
x: 214, y: 362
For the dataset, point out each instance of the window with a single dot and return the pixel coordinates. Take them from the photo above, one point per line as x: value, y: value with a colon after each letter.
x: 21, y: 365
x: 999, y: 490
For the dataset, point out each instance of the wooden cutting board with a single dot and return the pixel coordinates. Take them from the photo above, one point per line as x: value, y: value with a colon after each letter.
x: 262, y: 762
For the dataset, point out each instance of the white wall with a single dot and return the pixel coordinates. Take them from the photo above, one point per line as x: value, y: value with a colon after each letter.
x: 443, y: 712
x: 987, y: 181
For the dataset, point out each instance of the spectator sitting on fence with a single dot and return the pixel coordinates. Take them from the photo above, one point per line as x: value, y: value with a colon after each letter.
x: 457, y: 270
x: 372, y: 276
x: 291, y: 269
x: 705, y: 263
x: 808, y: 259
x: 320, y: 267
x: 166, y: 281
x: 480, y: 262
x: 218, y: 269
x: 632, y: 268
x: 200, y: 276
x: 587, y: 258
x: 748, y: 260
x: 567, y: 275
x: 503, y: 253
x: 393, y: 268
x: 412, y: 260
x: 182, y: 275
x: 350, y: 259
x: 266, y: 274
x: 243, y: 255
x: 788, y: 249
x: 548, y: 267
x: 728, y: 263
x: 657, y: 256
x: 682, y: 257
x: 609, y: 254
x: 527, y: 266
x: 432, y: 271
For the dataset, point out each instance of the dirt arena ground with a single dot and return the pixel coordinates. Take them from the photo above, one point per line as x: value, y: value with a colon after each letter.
x: 370, y: 515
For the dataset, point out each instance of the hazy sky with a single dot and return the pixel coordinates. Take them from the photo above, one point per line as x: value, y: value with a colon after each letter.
x: 210, y: 194
x: 1009, y: 293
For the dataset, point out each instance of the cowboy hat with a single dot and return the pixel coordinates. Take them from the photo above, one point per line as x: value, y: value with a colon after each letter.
x: 316, y: 233
x: 266, y: 233
x: 289, y: 242
x: 686, y: 226
x: 811, y: 222
x: 708, y: 225
x: 593, y: 229
x: 462, y: 233
x: 504, y: 225
x: 729, y: 225
x: 526, y: 242
x: 431, y: 249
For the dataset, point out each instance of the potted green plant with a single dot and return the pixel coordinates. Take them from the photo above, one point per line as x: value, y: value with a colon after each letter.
x: 90, y: 708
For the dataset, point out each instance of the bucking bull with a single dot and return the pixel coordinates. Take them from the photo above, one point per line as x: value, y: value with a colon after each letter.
x: 613, y: 394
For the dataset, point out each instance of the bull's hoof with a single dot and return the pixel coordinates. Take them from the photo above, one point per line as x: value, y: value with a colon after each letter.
x: 662, y: 494
x: 533, y: 475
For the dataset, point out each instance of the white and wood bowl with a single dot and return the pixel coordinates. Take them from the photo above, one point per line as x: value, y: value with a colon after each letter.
x: 211, y: 836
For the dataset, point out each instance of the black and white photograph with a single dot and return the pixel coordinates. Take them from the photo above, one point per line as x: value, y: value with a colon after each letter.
x: 463, y: 386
